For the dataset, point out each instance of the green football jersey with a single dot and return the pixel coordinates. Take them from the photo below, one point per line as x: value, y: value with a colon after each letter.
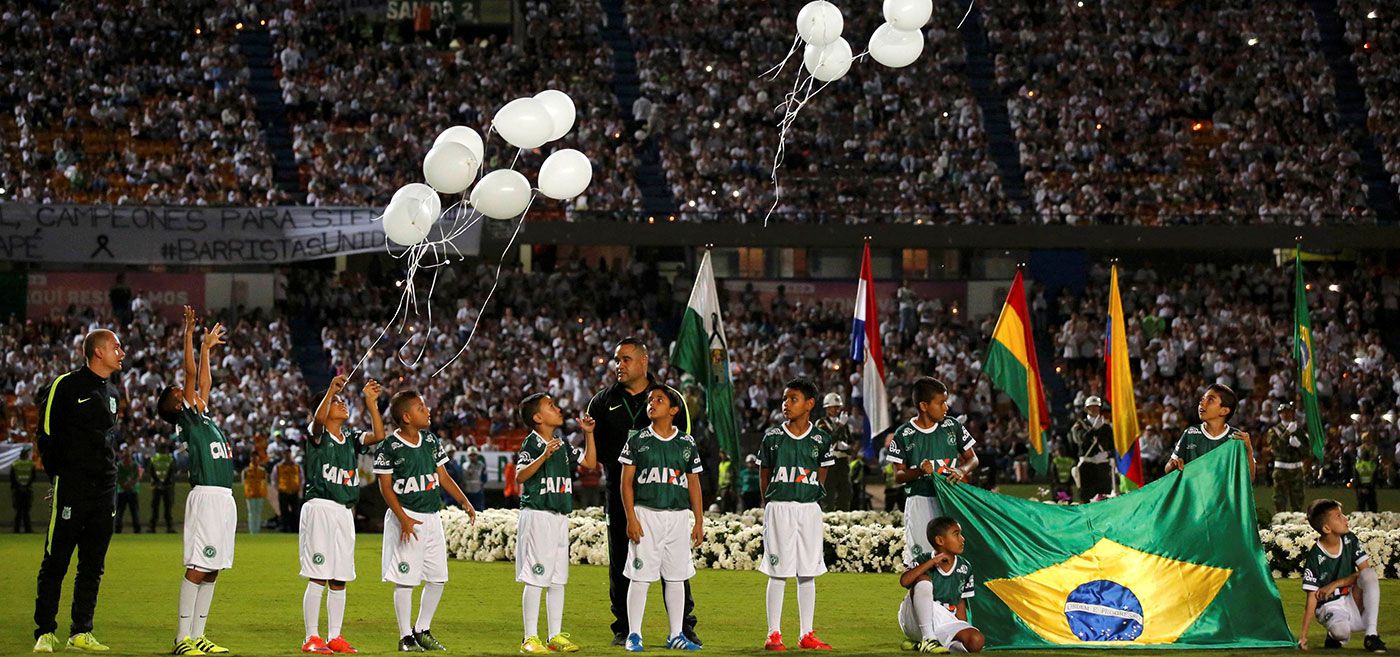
x: 1195, y: 442
x: 794, y: 463
x: 942, y: 445
x: 211, y: 457
x: 662, y: 465
x: 951, y: 587
x: 552, y: 486
x: 1322, y: 568
x: 332, y: 468
x: 413, y: 469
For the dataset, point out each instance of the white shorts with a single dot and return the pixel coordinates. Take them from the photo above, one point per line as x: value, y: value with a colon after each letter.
x: 792, y: 540
x: 1341, y: 617
x: 919, y: 511
x: 327, y: 541
x: 542, y: 548
x: 422, y: 559
x: 945, y: 624
x: 664, y: 551
x: 211, y: 518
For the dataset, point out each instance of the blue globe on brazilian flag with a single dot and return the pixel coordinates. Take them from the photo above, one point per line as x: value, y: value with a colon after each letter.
x: 1175, y: 564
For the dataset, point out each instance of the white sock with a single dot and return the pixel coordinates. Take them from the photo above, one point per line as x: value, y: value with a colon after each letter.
x: 1370, y: 585
x: 202, y: 600
x: 554, y: 609
x: 311, y: 609
x: 636, y: 605
x: 957, y: 647
x: 188, y: 591
x: 530, y: 602
x: 922, y: 599
x: 777, y: 587
x: 806, y: 603
x: 427, y: 605
x: 403, y: 608
x: 675, y: 605
x: 335, y: 612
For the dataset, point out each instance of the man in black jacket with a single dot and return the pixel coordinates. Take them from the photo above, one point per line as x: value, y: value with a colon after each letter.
x: 619, y: 409
x: 77, y: 441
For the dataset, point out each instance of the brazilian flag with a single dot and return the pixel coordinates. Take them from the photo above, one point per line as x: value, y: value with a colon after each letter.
x: 1175, y: 564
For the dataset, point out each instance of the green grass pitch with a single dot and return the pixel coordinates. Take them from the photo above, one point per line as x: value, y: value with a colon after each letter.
x: 257, y: 607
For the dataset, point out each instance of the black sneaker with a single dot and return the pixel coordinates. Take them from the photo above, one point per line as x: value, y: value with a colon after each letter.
x: 690, y: 635
x: 427, y: 642
x: 619, y: 640
x: 409, y: 644
x: 1331, y: 643
x: 1373, y: 643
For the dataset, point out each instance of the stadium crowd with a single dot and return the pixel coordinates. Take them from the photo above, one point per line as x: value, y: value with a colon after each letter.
x: 1374, y: 36
x: 1175, y: 113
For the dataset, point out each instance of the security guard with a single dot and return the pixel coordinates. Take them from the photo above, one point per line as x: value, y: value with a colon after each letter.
x: 22, y: 489
x: 619, y: 409
x: 836, y: 424
x: 162, y: 485
x: 1093, y: 437
x: 77, y: 442
x: 1287, y: 441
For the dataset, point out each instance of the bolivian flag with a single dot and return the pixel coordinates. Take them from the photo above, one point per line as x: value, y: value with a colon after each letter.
x: 1177, y: 564
x: 1012, y: 367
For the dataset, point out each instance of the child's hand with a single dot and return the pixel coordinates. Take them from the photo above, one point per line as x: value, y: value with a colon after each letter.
x: 189, y: 317
x: 471, y: 511
x: 214, y: 336
x: 406, y: 531
x: 1326, y: 590
x: 926, y: 466
x: 551, y: 447
x: 942, y: 559
x: 338, y: 383
x: 587, y: 423
x: 634, y: 530
x: 1303, y: 643
x: 1175, y: 464
x: 697, y: 534
x: 1242, y: 435
x: 371, y: 391
x: 956, y: 475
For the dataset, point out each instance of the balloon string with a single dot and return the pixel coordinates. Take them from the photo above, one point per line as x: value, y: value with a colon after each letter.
x: 777, y: 70
x: 496, y: 281
x: 969, y: 13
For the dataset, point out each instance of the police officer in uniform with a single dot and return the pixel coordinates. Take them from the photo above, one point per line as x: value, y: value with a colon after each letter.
x: 1288, y: 442
x: 1092, y: 435
x: 619, y: 409
x: 22, y: 489
x: 838, y: 475
x: 78, y: 445
x: 162, y: 486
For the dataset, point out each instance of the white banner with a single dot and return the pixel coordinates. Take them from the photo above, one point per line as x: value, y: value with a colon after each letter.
x: 170, y: 235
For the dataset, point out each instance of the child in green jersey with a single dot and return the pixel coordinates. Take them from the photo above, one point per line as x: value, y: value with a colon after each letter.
x: 661, y: 497
x: 1217, y: 406
x: 934, y: 613
x: 211, y: 517
x: 927, y: 446
x: 793, y: 459
x: 410, y: 470
x: 546, y: 479
x: 1335, y: 564
x: 327, y: 531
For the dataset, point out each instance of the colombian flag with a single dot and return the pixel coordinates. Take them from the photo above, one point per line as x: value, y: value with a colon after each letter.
x: 1177, y: 564
x: 1012, y: 367
x: 1122, y: 405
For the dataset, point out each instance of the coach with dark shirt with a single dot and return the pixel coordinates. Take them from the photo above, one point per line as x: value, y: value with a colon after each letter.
x: 77, y: 427
x: 619, y: 409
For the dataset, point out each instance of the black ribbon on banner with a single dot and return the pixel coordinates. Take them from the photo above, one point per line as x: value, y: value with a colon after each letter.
x: 102, y: 246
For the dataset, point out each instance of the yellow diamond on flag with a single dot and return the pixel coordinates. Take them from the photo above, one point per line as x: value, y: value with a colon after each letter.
x: 1112, y: 594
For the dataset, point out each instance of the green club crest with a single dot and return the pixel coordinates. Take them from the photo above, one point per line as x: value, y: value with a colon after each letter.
x: 537, y: 569
x: 403, y: 567
x: 919, y: 553
x: 637, y: 563
x: 209, y: 552
x: 318, y: 558
x: 772, y: 559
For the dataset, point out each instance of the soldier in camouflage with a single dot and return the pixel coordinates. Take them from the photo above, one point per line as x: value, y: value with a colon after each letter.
x: 1288, y: 442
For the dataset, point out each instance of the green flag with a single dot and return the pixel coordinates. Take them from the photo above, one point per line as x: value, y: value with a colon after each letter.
x: 1175, y: 564
x: 1303, y: 354
x: 702, y: 351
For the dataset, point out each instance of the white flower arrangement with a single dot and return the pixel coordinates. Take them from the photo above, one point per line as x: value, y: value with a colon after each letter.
x: 865, y: 541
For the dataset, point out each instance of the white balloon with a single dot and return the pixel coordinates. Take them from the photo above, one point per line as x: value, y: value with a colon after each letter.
x: 524, y: 123
x: 829, y: 62
x: 894, y: 47
x: 466, y: 137
x: 819, y: 22
x: 411, y: 214
x: 561, y: 111
x: 501, y: 194
x: 908, y: 14
x: 565, y: 174
x: 450, y: 167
